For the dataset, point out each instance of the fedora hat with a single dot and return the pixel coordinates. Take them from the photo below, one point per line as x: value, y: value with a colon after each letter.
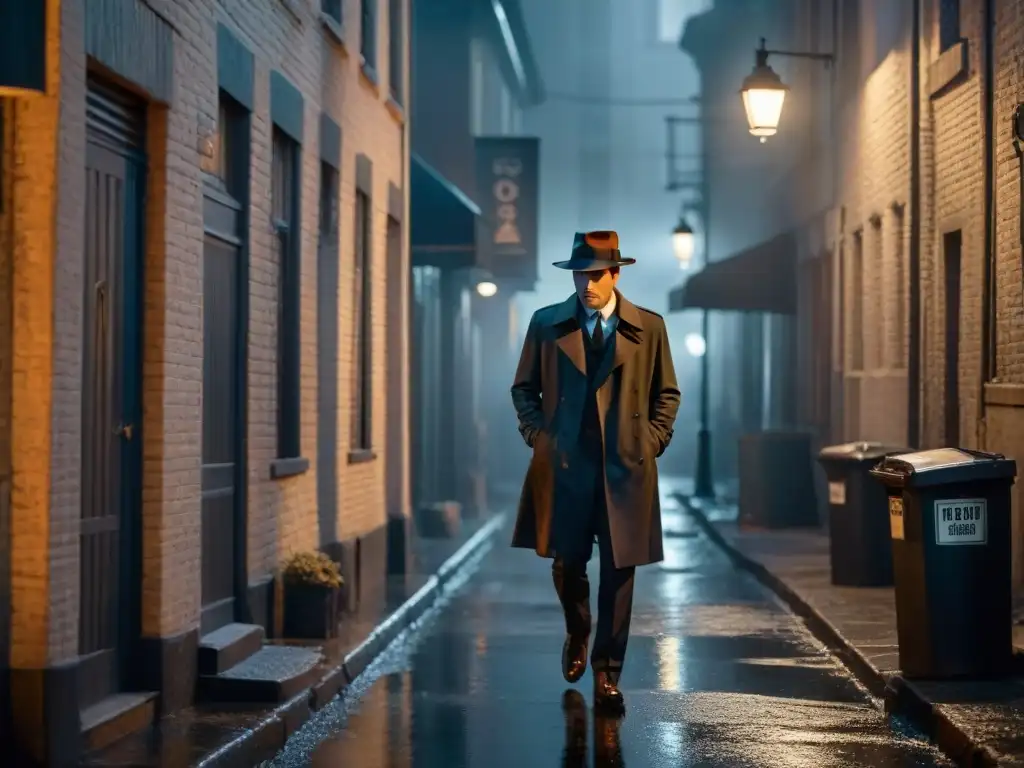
x: 594, y: 251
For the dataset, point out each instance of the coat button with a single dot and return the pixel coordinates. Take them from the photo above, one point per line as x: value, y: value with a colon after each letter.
x: 636, y: 415
x: 641, y: 460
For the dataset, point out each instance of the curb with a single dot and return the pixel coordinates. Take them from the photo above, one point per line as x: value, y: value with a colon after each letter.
x: 899, y: 695
x: 264, y: 740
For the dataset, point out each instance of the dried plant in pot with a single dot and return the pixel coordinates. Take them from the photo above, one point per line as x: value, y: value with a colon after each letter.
x: 311, y: 585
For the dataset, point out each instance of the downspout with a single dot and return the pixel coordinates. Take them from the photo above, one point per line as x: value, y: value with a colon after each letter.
x: 914, y: 313
x: 988, y: 348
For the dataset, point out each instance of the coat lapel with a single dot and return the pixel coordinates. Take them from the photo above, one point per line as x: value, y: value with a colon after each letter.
x: 570, y: 340
x: 624, y: 342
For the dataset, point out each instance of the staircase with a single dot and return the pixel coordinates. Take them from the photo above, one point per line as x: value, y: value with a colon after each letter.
x: 236, y: 665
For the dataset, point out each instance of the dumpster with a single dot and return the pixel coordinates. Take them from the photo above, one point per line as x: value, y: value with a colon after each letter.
x: 858, y: 508
x: 949, y: 516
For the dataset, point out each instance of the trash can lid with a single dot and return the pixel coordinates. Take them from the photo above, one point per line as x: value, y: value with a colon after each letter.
x: 862, y: 451
x: 943, y: 466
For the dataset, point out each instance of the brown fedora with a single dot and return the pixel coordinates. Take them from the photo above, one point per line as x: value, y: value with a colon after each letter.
x: 594, y: 251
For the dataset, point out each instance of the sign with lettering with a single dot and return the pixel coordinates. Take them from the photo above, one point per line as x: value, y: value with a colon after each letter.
x: 961, y: 521
x: 508, y: 176
x: 896, y: 517
x: 837, y: 492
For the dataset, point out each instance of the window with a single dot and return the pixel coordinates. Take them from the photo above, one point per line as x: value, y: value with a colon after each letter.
x: 899, y: 278
x: 328, y: 200
x: 332, y: 9
x: 855, y: 290
x: 231, y: 150
x: 876, y: 333
x: 951, y: 253
x: 284, y: 194
x: 362, y: 392
x: 368, y: 44
x: 949, y: 23
x: 396, y: 49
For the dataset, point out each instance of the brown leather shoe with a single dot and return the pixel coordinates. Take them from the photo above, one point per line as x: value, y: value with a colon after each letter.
x: 574, y: 658
x: 607, y: 695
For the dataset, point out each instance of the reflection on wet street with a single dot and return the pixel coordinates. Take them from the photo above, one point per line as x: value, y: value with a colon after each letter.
x: 718, y: 674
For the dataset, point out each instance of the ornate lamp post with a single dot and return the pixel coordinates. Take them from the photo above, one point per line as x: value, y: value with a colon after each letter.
x: 764, y: 93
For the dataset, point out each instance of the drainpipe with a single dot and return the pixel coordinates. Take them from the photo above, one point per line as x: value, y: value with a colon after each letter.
x: 988, y: 348
x: 914, y: 342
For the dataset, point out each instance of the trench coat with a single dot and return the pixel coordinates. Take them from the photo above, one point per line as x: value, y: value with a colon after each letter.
x: 637, y: 402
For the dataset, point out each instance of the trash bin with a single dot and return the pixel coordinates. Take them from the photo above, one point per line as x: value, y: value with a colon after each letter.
x: 949, y: 516
x: 858, y: 509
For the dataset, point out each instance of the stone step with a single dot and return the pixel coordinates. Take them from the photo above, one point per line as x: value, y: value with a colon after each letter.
x: 273, y: 674
x: 228, y: 646
x: 116, y: 716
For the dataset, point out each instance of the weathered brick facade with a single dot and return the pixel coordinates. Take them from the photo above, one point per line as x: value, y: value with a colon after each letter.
x: 870, y: 211
x: 43, y: 215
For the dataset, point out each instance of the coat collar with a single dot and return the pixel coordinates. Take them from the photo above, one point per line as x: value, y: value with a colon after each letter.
x: 568, y: 310
x: 570, y: 339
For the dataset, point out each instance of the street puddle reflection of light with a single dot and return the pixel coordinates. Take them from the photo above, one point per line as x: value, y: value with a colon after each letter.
x: 670, y: 666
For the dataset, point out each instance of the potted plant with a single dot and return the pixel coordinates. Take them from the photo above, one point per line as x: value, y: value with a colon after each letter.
x: 311, y: 584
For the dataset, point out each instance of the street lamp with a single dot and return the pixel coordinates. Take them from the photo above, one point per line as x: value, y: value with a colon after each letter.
x: 683, y: 242
x: 486, y: 288
x: 695, y: 344
x: 764, y: 93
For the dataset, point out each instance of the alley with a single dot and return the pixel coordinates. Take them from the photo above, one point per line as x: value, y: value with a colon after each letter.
x: 718, y: 674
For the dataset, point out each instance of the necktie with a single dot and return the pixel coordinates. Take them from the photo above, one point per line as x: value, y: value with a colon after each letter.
x: 597, y: 337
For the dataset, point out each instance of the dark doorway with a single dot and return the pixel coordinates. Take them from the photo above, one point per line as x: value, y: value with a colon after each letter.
x: 327, y: 358
x: 110, y: 578
x: 224, y: 288
x: 951, y: 247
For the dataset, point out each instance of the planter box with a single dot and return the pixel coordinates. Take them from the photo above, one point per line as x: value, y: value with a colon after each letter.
x: 310, y: 612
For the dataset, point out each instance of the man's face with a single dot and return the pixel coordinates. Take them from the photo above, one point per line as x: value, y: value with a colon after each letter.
x: 595, y: 288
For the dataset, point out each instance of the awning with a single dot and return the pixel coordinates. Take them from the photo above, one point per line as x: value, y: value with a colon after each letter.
x: 759, y: 279
x: 443, y: 219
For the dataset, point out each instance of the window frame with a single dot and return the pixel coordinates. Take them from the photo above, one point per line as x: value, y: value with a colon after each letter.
x: 288, y: 233
x: 368, y: 35
x: 949, y: 24
x: 361, y: 427
x: 396, y: 51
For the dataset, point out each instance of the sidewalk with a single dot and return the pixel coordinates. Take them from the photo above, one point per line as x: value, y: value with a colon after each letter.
x: 976, y: 723
x: 246, y: 735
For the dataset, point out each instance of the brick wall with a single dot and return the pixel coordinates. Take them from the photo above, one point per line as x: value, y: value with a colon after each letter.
x: 955, y: 197
x: 33, y: 201
x: 1009, y: 88
x: 47, y: 218
x: 286, y: 36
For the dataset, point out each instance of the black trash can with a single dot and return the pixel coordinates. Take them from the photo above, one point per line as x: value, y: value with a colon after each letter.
x: 859, y: 543
x: 949, y: 512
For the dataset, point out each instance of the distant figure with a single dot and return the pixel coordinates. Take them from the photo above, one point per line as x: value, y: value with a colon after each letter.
x: 596, y: 397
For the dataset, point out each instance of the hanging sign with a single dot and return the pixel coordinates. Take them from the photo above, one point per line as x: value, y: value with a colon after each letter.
x: 507, y: 179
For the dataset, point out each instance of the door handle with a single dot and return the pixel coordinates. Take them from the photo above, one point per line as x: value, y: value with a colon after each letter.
x: 125, y: 431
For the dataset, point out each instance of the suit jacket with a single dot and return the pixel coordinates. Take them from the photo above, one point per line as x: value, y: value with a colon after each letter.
x: 637, y: 402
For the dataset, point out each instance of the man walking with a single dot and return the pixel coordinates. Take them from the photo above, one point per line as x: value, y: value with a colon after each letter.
x: 596, y: 397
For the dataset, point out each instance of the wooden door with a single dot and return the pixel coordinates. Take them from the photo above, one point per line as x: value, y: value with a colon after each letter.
x: 110, y: 578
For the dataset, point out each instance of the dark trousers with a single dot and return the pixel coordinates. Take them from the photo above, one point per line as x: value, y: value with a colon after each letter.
x: 614, y: 595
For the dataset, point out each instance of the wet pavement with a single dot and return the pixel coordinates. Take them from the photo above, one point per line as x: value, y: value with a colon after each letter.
x: 718, y: 674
